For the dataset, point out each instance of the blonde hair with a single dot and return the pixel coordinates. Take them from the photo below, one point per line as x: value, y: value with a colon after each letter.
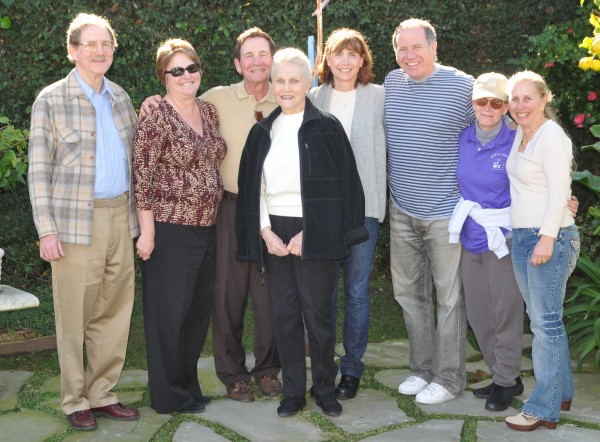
x: 541, y: 87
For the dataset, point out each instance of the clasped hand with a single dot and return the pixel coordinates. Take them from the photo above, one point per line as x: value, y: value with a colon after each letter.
x: 276, y: 246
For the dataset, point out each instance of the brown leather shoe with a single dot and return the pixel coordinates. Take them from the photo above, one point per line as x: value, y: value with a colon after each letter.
x: 269, y: 385
x: 117, y: 412
x: 82, y: 420
x: 240, y: 391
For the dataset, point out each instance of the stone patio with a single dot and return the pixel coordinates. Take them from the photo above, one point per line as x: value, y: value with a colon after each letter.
x: 378, y: 414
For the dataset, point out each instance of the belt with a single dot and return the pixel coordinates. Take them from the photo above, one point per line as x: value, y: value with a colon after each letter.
x: 117, y: 201
x: 229, y: 196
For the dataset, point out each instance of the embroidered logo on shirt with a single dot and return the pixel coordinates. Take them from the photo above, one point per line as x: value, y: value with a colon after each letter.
x: 499, y: 161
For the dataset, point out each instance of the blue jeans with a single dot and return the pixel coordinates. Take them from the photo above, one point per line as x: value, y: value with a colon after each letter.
x: 543, y: 289
x: 357, y: 270
x: 419, y: 250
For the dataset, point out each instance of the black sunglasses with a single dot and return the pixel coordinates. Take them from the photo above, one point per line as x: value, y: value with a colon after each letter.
x: 178, y: 72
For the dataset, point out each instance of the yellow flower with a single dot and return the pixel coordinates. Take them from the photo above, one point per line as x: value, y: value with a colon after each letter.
x: 585, y: 63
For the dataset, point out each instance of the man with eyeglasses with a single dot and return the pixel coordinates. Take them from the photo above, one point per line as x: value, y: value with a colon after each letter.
x: 240, y: 106
x: 427, y: 105
x: 82, y: 130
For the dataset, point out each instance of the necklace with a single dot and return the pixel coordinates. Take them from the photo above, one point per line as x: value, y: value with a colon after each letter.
x: 526, y: 140
x: 350, y: 96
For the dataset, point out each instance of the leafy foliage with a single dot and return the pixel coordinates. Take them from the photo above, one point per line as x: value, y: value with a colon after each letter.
x: 474, y: 35
x: 583, y: 311
x: 583, y: 307
x: 13, y: 159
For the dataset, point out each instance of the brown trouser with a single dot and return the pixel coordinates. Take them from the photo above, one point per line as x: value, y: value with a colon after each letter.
x: 234, y: 282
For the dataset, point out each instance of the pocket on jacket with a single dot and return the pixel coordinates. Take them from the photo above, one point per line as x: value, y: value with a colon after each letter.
x: 69, y: 146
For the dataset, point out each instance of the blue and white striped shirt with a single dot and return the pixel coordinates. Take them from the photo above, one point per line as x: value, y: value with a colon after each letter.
x: 423, y: 122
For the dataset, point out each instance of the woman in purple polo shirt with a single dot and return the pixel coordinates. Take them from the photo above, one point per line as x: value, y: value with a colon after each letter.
x: 482, y: 219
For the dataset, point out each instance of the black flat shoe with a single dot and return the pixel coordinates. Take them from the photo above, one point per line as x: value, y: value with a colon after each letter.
x: 484, y: 392
x: 203, y: 400
x: 499, y: 399
x: 329, y: 405
x: 518, y: 388
x: 348, y: 387
x: 291, y: 405
x: 193, y: 408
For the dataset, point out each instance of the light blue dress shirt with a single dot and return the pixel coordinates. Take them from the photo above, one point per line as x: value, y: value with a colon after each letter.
x: 112, y: 169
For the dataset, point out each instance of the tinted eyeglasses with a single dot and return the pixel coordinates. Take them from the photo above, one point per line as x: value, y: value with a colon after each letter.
x: 496, y: 103
x: 258, y: 115
x: 178, y: 72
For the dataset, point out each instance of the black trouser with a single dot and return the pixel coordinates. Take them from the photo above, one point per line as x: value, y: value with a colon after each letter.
x: 300, y: 294
x: 177, y: 285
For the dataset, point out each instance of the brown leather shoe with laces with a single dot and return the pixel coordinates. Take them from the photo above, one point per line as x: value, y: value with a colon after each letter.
x: 82, y: 420
x: 117, y: 412
x: 240, y: 391
x: 269, y: 385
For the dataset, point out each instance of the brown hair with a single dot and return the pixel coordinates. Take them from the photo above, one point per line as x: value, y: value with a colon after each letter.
x: 82, y: 21
x: 251, y: 33
x: 339, y: 40
x: 170, y: 48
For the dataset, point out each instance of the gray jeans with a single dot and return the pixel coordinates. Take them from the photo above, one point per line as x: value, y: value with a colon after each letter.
x: 420, y: 250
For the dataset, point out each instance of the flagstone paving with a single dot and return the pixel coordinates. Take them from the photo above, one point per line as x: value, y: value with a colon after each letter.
x: 378, y: 413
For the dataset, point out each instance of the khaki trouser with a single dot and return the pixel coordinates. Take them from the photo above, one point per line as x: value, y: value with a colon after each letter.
x: 93, y: 290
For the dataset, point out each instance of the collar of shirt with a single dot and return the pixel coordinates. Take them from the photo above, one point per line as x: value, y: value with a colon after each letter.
x: 88, y: 91
x: 241, y: 94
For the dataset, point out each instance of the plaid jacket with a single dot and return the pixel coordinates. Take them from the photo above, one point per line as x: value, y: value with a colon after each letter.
x: 62, y: 159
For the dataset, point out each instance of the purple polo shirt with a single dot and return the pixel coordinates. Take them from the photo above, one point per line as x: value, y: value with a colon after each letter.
x: 481, y: 174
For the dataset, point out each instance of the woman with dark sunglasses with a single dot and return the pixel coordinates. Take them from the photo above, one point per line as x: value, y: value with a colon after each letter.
x: 482, y: 221
x: 178, y: 188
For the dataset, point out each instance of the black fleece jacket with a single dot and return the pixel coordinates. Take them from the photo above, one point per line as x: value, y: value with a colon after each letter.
x: 333, y: 202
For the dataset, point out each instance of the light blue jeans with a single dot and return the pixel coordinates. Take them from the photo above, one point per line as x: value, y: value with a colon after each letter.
x: 419, y: 249
x: 357, y: 270
x: 543, y: 289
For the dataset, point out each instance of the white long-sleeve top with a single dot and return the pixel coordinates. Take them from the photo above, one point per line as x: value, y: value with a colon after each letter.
x: 490, y: 219
x: 280, y: 186
x: 540, y: 180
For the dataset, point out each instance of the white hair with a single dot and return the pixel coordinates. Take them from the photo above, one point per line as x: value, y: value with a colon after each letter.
x: 291, y: 55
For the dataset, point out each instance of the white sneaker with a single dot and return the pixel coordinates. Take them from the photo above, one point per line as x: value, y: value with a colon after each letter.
x: 434, y: 394
x: 412, y: 386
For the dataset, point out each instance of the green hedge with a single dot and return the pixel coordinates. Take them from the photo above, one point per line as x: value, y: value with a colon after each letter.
x: 474, y: 35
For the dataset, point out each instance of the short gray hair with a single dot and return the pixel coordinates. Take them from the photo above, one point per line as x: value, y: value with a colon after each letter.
x: 81, y: 22
x: 413, y: 23
x: 291, y: 55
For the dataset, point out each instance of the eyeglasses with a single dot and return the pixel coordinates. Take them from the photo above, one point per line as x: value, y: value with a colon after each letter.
x: 178, y: 72
x: 258, y: 115
x: 90, y: 46
x: 496, y: 103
